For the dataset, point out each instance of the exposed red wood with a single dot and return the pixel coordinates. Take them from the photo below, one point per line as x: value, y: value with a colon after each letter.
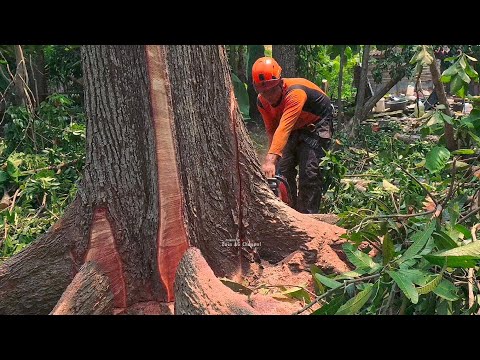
x: 103, y: 251
x: 171, y: 238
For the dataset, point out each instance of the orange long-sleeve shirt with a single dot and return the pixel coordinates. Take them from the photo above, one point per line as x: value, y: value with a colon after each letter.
x: 302, y: 103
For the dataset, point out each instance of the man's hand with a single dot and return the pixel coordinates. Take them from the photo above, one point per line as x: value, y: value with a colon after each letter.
x: 268, y: 167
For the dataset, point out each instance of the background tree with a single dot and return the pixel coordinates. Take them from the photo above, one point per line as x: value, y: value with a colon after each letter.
x: 287, y: 57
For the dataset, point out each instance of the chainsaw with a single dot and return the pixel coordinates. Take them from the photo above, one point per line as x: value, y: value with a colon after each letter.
x: 280, y: 188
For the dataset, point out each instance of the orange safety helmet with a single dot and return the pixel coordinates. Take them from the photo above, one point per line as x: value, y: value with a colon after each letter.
x: 266, y: 74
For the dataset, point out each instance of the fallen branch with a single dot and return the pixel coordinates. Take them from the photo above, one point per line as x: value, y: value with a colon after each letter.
x: 473, y: 212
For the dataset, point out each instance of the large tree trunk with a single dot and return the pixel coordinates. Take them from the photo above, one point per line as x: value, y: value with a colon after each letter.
x: 169, y: 165
x: 442, y: 99
x: 287, y: 58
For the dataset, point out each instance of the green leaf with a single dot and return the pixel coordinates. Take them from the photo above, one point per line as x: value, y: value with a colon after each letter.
x: 452, y: 70
x: 471, y: 58
x: 350, y: 274
x: 319, y: 288
x: 446, y: 119
x: 236, y: 286
x: 462, y: 92
x: 456, y: 84
x: 435, y: 119
x: 12, y: 169
x: 420, y: 238
x: 437, y: 158
x: 465, y: 256
x: 462, y: 229
x: 331, y: 307
x: 445, y: 79
x: 332, y: 284
x: 388, y: 250
x: 428, y: 246
x: 471, y: 72
x: 405, y: 284
x: 416, y: 276
x: 353, y: 305
x: 3, y: 176
x: 446, y: 290
x: 358, y: 258
x: 389, y: 187
x: 474, y: 137
x: 463, y: 152
x: 297, y: 293
x: 443, y: 241
x: 430, y: 286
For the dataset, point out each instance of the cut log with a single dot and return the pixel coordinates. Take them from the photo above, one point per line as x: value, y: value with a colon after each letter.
x: 90, y: 293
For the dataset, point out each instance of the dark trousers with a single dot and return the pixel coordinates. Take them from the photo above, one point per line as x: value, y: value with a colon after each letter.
x: 307, y: 157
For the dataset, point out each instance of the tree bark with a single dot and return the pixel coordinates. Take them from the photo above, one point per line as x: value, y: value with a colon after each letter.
x: 241, y: 70
x: 169, y: 165
x: 355, y: 121
x: 340, y: 83
x: 88, y: 294
x: 21, y: 79
x: 287, y: 58
x: 442, y: 99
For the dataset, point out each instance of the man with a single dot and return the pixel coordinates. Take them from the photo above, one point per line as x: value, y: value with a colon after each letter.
x: 298, y: 120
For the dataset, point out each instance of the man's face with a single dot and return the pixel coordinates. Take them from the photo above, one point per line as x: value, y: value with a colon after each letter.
x: 273, y: 95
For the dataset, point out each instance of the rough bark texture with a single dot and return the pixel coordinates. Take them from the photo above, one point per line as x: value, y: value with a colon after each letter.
x: 355, y: 122
x: 21, y: 79
x: 199, y: 292
x: 227, y: 196
x: 119, y: 193
x: 121, y: 164
x: 287, y: 58
x: 88, y: 294
x: 442, y: 99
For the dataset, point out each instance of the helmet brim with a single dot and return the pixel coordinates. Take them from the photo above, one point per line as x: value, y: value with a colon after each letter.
x: 266, y: 85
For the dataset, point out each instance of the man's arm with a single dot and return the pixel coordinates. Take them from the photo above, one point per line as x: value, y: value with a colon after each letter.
x: 294, y: 102
x: 268, y: 121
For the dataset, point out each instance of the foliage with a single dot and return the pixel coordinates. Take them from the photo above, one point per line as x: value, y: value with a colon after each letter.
x: 394, y: 58
x: 41, y: 158
x: 318, y: 62
x: 63, y: 64
x: 417, y: 264
x: 460, y: 74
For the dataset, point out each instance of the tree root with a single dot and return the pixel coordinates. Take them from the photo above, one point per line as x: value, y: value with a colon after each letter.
x: 90, y: 293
